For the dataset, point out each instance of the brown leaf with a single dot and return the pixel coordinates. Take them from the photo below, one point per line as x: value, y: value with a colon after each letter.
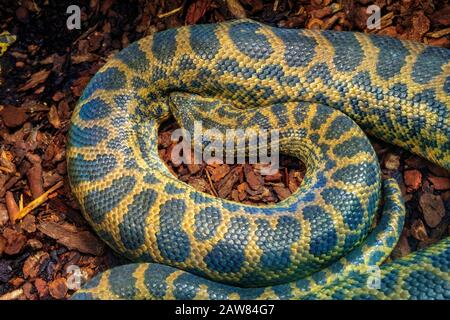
x: 199, y: 184
x: 28, y: 291
x: 402, y: 248
x: 276, y: 177
x: 28, y: 223
x: 2, y: 245
x: 35, y: 79
x: 442, y: 16
x: 78, y: 85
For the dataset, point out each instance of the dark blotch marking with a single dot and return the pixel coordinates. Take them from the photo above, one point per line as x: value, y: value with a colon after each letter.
x: 132, y: 228
x: 348, y: 53
x: 173, y: 242
x: 87, y: 137
x: 429, y: 64
x: 155, y: 279
x: 94, y: 110
x: 110, y: 79
x: 228, y: 255
x: 204, y: 41
x: 391, y: 57
x: 171, y: 188
x: 134, y: 57
x: 164, y: 45
x: 99, y: 202
x: 351, y: 147
x: 364, y: 173
x: 206, y: 222
x: 276, y: 242
x: 339, y: 126
x: 323, y: 233
x: 91, y: 170
x: 122, y: 281
x: 346, y: 203
x: 298, y: 48
x: 245, y: 37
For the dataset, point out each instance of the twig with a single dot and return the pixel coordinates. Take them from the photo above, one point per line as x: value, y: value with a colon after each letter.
x: 38, y: 201
x: 167, y: 14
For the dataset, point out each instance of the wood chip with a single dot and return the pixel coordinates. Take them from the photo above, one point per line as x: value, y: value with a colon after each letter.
x: 83, y: 241
x: 15, y: 241
x: 433, y: 209
x: 58, y: 288
x: 35, y: 79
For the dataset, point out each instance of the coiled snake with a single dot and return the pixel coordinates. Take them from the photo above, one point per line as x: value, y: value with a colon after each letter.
x: 318, y: 88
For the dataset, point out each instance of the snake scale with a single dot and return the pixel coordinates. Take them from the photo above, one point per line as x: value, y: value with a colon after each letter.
x: 323, y: 90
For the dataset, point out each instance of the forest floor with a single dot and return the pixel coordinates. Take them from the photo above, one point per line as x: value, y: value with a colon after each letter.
x: 42, y: 232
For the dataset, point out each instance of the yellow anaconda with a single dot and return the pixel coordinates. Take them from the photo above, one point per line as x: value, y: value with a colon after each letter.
x: 319, y: 88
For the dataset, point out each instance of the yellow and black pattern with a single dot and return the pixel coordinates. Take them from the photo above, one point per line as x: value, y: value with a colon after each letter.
x: 248, y: 75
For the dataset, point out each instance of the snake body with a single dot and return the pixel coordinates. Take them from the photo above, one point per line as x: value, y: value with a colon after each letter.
x: 322, y: 90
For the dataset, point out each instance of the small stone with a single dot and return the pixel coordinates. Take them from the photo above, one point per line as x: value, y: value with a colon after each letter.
x: 58, y: 288
x: 433, y: 209
x: 440, y: 183
x: 392, y: 161
x: 413, y: 179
